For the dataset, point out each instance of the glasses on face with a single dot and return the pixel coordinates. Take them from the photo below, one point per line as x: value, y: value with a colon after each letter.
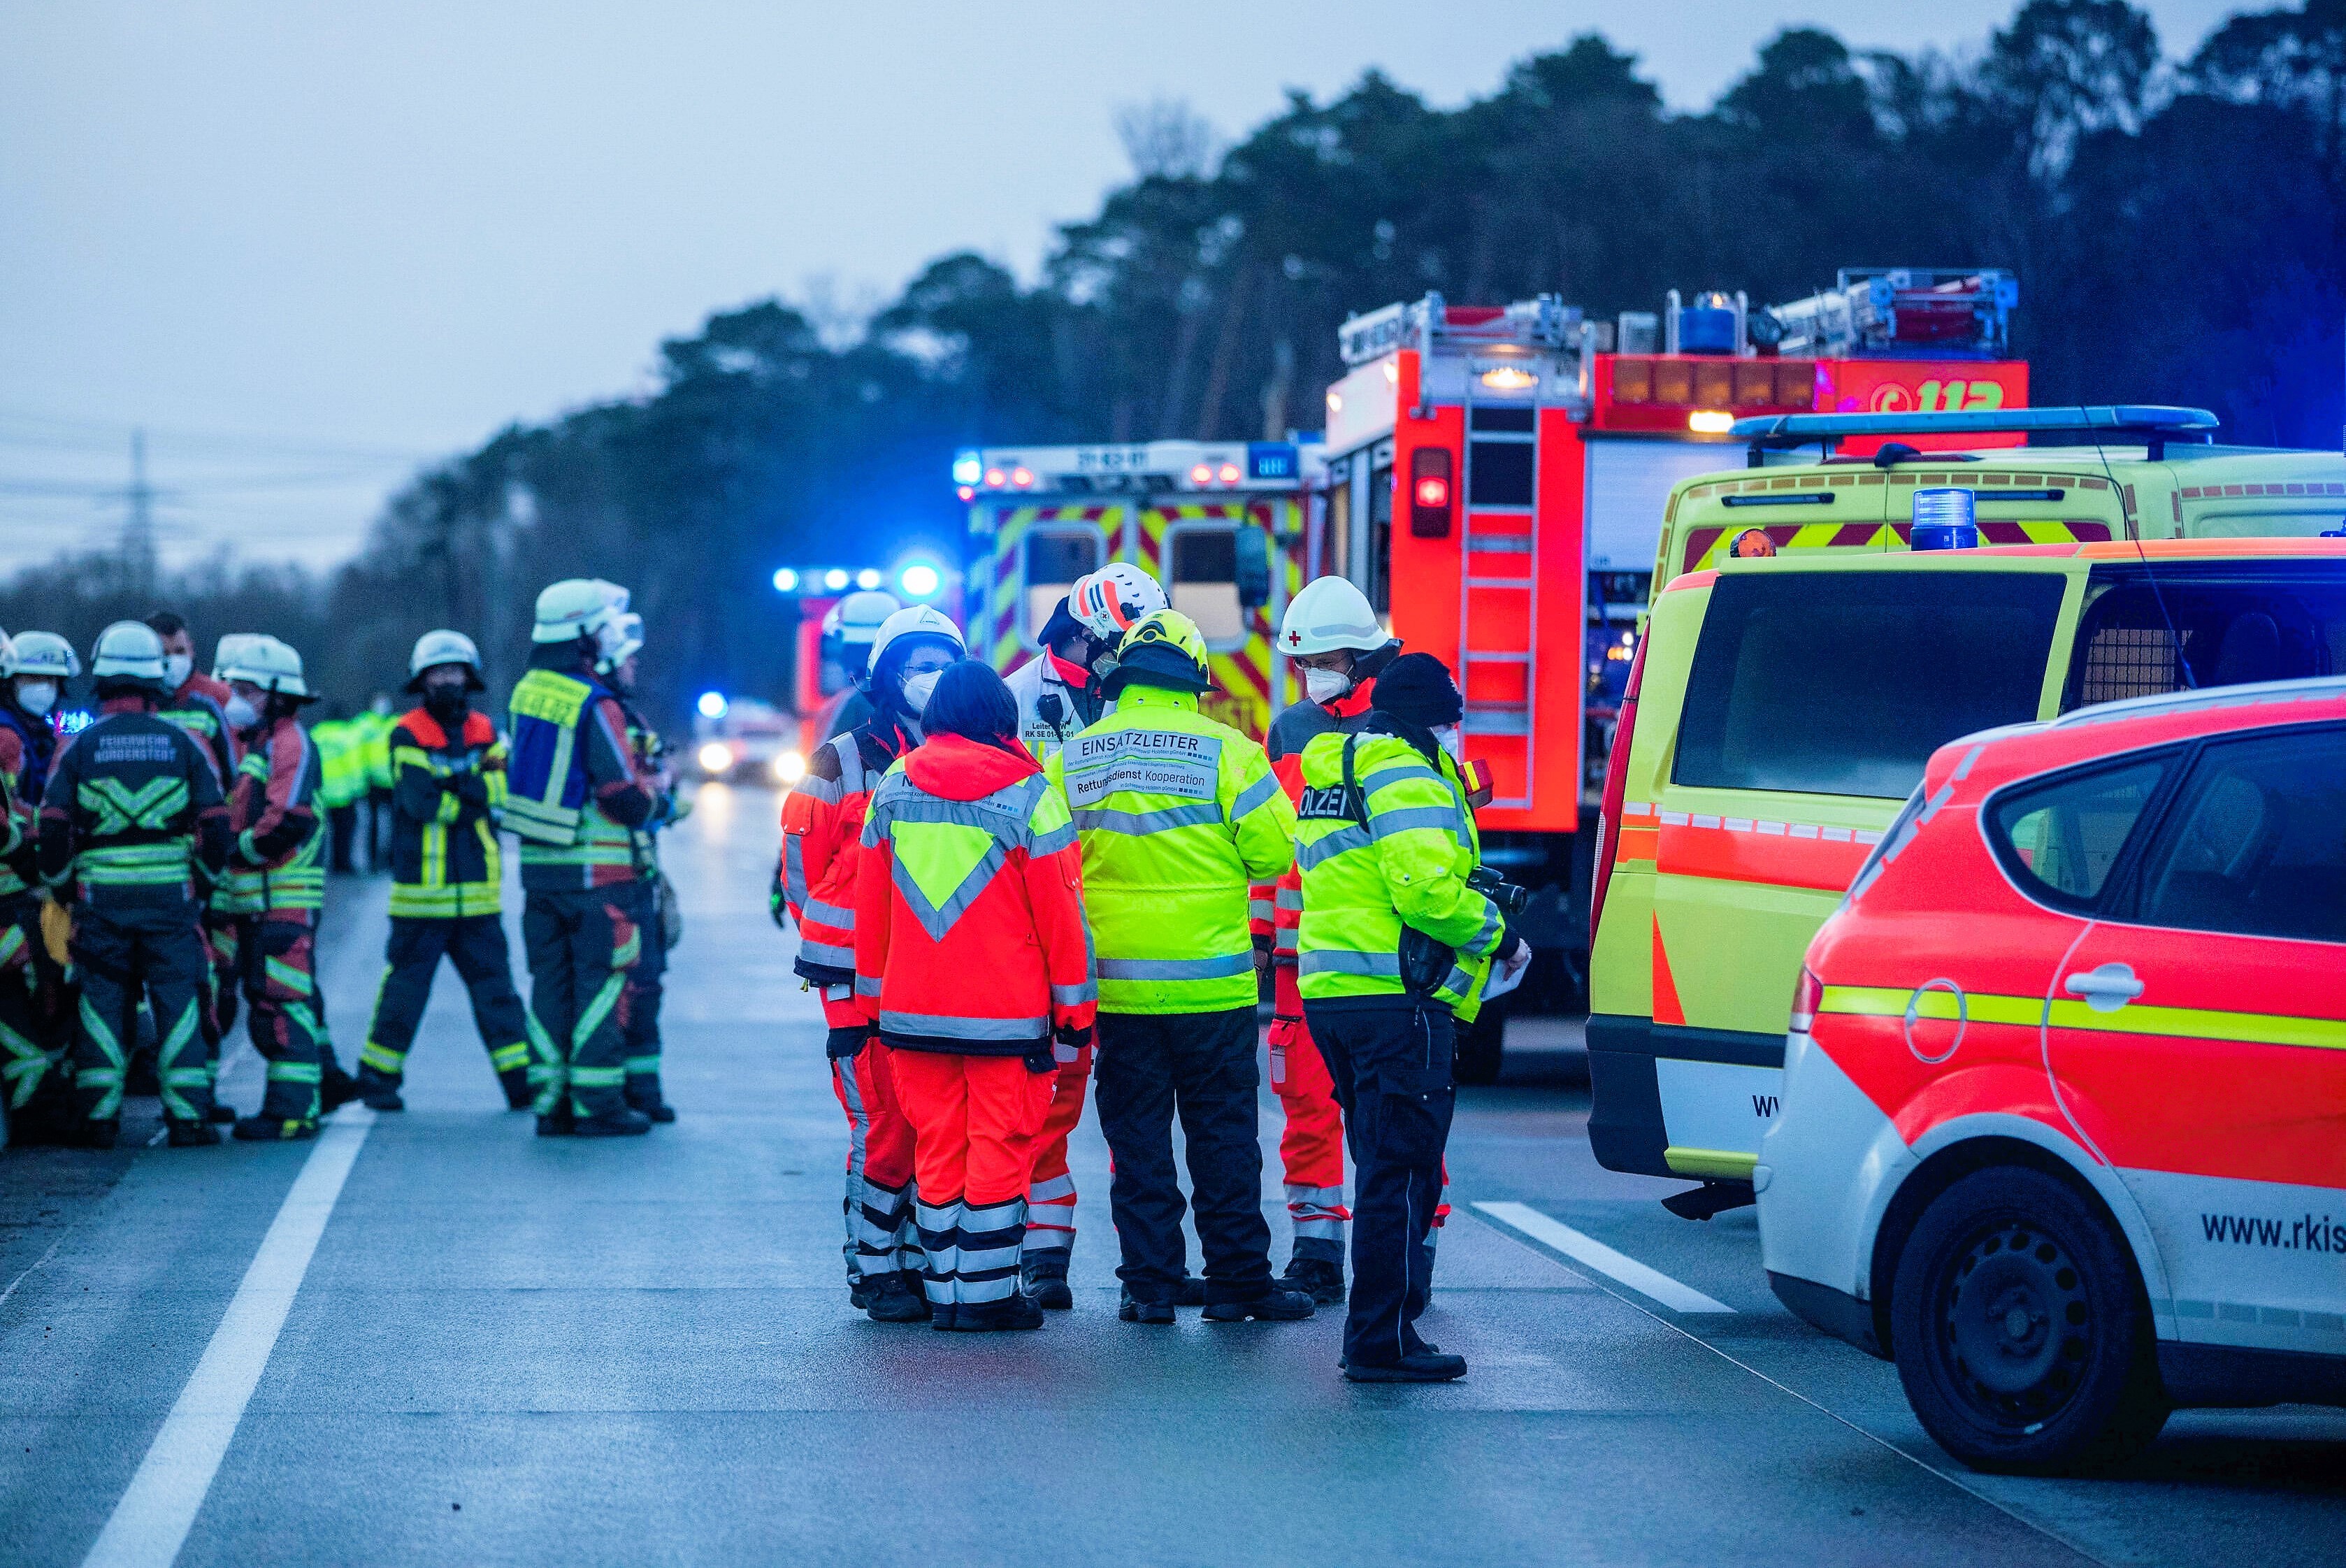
x: 929, y: 663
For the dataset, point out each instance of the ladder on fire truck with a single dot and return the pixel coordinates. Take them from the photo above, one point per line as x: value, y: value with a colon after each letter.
x: 1500, y: 562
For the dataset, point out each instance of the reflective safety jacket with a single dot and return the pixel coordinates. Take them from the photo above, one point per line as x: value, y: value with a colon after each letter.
x: 200, y: 708
x: 28, y: 746
x: 822, y: 834
x: 23, y: 769
x: 1277, y: 907
x: 278, y: 858
x: 374, y: 749
x: 132, y: 817
x: 969, y: 905
x: 1054, y: 703
x: 1392, y: 852
x: 445, y: 859
x: 575, y: 794
x: 1177, y: 815
x: 341, y: 763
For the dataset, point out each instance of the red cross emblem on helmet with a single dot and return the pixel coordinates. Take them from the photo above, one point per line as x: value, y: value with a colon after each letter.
x: 1294, y: 638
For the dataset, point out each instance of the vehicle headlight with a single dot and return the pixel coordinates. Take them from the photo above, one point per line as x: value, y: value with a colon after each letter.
x: 716, y: 757
x: 788, y: 768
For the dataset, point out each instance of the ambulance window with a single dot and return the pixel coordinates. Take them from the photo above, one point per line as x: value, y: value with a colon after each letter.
x: 2256, y: 844
x: 2227, y: 622
x: 1055, y: 558
x: 1205, y: 588
x: 1844, y: 683
x: 2059, y: 839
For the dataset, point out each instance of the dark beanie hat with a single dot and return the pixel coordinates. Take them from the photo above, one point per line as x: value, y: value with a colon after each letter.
x: 1417, y: 687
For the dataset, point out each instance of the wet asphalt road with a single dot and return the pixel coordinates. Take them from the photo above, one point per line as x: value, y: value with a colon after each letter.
x: 432, y: 1337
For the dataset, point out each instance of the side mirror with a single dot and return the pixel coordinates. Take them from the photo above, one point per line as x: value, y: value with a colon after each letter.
x: 1250, y: 565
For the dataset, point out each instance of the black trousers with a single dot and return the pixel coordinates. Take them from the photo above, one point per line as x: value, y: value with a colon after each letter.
x: 136, y: 949
x: 1391, y: 1067
x: 1201, y: 1066
x: 341, y: 834
x: 475, y: 944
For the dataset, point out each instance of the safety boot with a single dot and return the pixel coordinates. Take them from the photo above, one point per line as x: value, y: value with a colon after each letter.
x: 897, y: 1299
x: 1317, y: 1277
x: 379, y: 1091
x: 1275, y: 1305
x: 1131, y: 1310
x: 519, y: 1095
x: 1190, y: 1292
x: 622, y: 1123
x: 221, y: 1113
x: 191, y: 1133
x: 259, y: 1129
x: 558, y: 1123
x: 944, y: 1316
x: 1015, y: 1310
x: 336, y: 1088
x: 1046, y: 1279
x: 644, y: 1095
x: 1428, y: 1365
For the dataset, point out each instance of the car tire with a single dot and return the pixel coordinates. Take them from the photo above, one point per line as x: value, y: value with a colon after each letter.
x: 1482, y: 1047
x: 2021, y: 1331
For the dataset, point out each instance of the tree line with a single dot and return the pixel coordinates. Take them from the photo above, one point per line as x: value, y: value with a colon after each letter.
x: 2175, y: 223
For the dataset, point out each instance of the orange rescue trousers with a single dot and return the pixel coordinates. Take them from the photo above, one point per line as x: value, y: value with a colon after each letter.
x: 974, y: 1123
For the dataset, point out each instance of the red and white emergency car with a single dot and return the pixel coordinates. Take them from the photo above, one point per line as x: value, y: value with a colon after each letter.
x: 2063, y: 1120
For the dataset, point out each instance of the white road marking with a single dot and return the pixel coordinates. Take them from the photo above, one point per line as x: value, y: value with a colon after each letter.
x: 151, y: 1523
x: 1592, y: 1253
x: 44, y: 1258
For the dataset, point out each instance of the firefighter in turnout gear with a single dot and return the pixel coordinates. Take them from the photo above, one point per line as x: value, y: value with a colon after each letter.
x: 822, y: 828
x: 132, y: 827
x: 971, y: 959
x: 576, y: 797
x: 1332, y: 636
x: 277, y: 889
x: 655, y: 903
x: 34, y: 1082
x: 1059, y: 693
x: 1393, y: 950
x: 197, y: 703
x: 445, y: 876
x: 1177, y: 815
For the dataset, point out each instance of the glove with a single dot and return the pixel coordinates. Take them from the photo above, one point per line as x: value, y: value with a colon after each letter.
x: 776, y: 904
x: 472, y: 789
x: 1039, y: 1058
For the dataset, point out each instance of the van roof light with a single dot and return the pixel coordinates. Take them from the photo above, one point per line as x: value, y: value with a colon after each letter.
x: 2153, y: 425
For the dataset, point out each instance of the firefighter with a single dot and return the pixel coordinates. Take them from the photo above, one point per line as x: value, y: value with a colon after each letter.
x: 822, y: 826
x: 132, y: 827
x: 34, y: 1082
x: 576, y: 797
x: 223, y: 929
x: 197, y: 703
x: 1178, y: 814
x: 1393, y: 950
x: 277, y: 889
x: 655, y: 905
x: 446, y: 873
x: 848, y: 629
x: 1332, y: 635
x: 970, y: 959
x: 1058, y: 694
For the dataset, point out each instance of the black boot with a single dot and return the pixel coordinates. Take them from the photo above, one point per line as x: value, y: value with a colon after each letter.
x: 897, y: 1299
x: 1317, y: 1277
x: 96, y: 1135
x: 1046, y: 1279
x: 379, y: 1090
x: 519, y: 1095
x: 1015, y: 1310
x: 1129, y: 1311
x: 647, y: 1099
x: 191, y: 1134
x: 1275, y: 1305
x: 265, y: 1129
x: 622, y: 1123
x: 221, y: 1113
x: 558, y: 1123
x: 1428, y: 1365
x: 336, y: 1088
x: 1190, y: 1292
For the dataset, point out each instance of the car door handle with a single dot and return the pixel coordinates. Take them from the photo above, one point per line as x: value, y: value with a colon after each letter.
x: 2106, y: 988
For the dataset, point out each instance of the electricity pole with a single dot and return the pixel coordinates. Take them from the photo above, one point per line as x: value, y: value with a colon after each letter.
x: 139, y: 525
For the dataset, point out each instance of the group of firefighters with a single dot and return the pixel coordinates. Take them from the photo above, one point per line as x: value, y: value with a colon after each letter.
x: 1003, y: 889
x: 166, y: 857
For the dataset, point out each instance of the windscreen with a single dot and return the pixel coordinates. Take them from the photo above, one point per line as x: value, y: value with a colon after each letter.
x: 1844, y: 683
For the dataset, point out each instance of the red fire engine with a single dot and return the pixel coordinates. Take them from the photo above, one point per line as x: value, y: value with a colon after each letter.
x: 1496, y: 477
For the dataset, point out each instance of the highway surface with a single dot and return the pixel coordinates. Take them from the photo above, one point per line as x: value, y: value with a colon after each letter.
x: 432, y: 1337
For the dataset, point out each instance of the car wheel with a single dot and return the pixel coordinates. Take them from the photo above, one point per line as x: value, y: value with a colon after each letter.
x: 1482, y: 1047
x: 2020, y: 1330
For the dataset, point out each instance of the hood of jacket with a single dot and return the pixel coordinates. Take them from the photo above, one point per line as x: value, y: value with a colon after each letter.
x: 955, y: 767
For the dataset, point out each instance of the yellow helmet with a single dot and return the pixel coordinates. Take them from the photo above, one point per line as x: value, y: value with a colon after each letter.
x: 1164, y: 648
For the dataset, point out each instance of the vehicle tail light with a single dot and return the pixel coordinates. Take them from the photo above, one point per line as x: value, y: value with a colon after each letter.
x: 1807, y: 997
x: 1201, y: 474
x: 1617, y: 783
x: 1429, y: 491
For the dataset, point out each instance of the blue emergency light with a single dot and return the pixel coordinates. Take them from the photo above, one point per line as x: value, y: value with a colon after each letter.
x: 968, y: 467
x: 1943, y: 520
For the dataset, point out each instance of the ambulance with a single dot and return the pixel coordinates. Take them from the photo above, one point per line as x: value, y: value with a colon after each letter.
x: 1797, y: 671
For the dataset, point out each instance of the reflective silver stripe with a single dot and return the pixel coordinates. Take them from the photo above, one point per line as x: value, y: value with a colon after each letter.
x: 1488, y: 936
x: 1441, y: 819
x: 1255, y: 794
x: 1395, y: 773
x: 1052, y: 842
x: 866, y: 986
x: 1072, y: 995
x: 835, y: 957
x: 1327, y: 846
x: 794, y: 882
x: 830, y: 914
x: 1458, y: 982
x: 1177, y: 968
x: 1058, y: 1186
x: 1338, y: 961
x: 1136, y: 823
x: 827, y: 790
x: 944, y: 1026
x: 1260, y: 908
x: 1291, y: 899
x: 852, y: 775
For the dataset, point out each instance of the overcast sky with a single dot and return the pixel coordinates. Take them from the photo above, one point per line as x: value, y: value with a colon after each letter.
x: 308, y: 245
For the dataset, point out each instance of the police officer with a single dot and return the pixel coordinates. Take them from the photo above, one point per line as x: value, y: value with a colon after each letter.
x: 654, y: 909
x: 1177, y: 815
x: 446, y: 876
x: 34, y: 1082
x: 132, y: 826
x: 1393, y: 951
x: 576, y: 796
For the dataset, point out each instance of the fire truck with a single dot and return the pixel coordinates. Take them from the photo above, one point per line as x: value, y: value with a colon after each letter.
x: 1494, y: 478
x: 1220, y: 524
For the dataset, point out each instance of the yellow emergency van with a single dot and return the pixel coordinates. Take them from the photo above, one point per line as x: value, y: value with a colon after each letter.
x: 1782, y: 706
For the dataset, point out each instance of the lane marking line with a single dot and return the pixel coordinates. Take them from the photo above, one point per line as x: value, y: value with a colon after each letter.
x: 1589, y: 1252
x: 150, y: 1523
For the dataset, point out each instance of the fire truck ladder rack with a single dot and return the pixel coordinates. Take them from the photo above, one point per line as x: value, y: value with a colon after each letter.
x: 1932, y: 312
x: 2124, y: 425
x: 1513, y: 568
x: 1544, y: 322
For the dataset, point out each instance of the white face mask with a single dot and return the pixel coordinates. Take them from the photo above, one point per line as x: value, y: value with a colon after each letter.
x: 176, y: 667
x: 38, y: 696
x: 1326, y: 684
x: 917, y: 688
x: 240, y: 711
x: 1449, y: 738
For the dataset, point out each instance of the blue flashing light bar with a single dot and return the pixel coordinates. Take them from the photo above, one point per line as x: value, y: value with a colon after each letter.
x: 2151, y: 424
